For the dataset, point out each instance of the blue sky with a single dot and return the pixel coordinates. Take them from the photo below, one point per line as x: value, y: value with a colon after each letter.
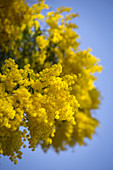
x: 96, y: 31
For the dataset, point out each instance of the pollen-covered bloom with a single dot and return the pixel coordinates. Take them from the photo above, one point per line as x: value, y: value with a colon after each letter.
x: 34, y: 101
x: 47, y: 88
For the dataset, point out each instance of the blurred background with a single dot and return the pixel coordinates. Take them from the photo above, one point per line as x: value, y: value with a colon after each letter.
x: 96, y: 31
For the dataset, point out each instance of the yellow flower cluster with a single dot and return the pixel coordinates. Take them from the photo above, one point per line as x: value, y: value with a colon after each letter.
x: 46, y: 81
x: 10, y: 144
x: 34, y: 101
x: 68, y: 134
x: 15, y: 15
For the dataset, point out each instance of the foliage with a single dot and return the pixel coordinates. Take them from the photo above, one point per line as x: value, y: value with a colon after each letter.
x: 47, y: 87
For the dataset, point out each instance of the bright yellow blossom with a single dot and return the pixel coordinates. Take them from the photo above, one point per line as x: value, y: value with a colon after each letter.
x: 46, y: 80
